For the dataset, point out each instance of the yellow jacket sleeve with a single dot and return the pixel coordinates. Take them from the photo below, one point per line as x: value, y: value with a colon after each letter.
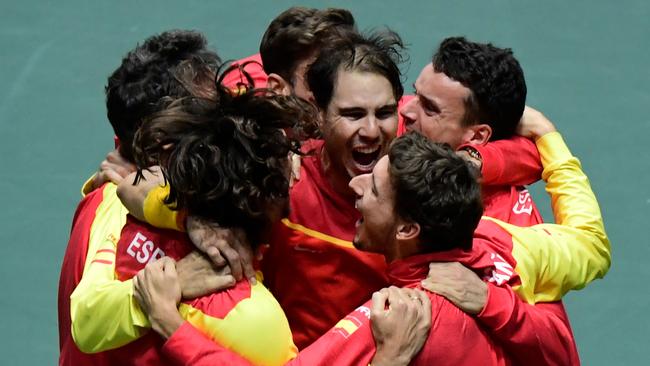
x: 103, y: 312
x: 158, y: 214
x: 553, y: 259
x: 88, y: 186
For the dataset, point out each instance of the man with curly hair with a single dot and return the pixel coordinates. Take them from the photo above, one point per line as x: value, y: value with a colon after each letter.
x: 225, y: 161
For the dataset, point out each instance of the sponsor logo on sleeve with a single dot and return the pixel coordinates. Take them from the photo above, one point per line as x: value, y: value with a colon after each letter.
x: 524, y: 203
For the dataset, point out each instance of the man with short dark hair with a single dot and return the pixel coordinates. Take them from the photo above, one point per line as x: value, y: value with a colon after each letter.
x: 430, y: 203
x: 174, y: 63
x: 289, y: 44
x: 471, y: 94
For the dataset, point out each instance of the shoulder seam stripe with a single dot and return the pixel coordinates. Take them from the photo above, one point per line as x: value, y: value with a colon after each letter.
x: 318, y: 235
x: 102, y: 261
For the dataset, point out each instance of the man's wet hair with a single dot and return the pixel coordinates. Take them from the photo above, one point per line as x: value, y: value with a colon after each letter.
x: 378, y: 52
x: 225, y: 158
x: 297, y: 34
x: 437, y: 189
x: 494, y: 77
x: 174, y: 64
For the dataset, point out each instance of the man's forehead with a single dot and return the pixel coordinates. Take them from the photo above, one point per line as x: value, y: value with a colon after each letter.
x: 433, y: 84
x: 359, y: 89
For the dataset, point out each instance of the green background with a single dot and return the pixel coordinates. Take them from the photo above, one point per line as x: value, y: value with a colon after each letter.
x: 586, y: 63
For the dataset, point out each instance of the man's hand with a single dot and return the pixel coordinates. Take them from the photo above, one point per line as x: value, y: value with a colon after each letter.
x: 534, y: 124
x: 400, y: 320
x: 114, y: 169
x: 133, y: 196
x: 198, y: 276
x: 157, y: 290
x: 457, y: 284
x: 218, y: 242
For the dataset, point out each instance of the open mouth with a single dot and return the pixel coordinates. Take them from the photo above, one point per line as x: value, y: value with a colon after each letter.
x: 366, y: 157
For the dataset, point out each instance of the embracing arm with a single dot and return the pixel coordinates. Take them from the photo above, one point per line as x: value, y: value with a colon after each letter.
x: 553, y: 259
x: 103, y: 312
x: 146, y: 201
x: 401, y: 319
x: 511, y: 162
x: 538, y: 333
x: 532, y: 334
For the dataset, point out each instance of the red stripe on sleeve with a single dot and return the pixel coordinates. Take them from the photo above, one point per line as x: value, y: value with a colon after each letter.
x: 102, y: 261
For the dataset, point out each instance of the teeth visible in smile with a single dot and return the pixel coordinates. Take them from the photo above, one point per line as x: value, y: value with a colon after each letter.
x: 366, y: 150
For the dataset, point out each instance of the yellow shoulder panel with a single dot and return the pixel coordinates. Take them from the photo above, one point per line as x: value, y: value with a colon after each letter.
x: 256, y: 328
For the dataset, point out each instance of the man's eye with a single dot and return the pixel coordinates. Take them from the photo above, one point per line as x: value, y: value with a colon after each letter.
x: 353, y: 116
x: 386, y: 114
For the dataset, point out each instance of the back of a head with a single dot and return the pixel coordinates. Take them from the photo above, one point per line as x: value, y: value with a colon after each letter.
x: 494, y: 77
x: 225, y: 160
x: 172, y: 64
x: 297, y: 34
x: 436, y: 188
x: 378, y: 52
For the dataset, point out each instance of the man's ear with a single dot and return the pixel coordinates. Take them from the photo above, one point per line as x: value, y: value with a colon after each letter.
x: 278, y: 84
x: 408, y: 231
x: 477, y: 134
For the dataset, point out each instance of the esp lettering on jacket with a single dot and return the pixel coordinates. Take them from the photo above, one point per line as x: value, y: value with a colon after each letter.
x: 141, y: 244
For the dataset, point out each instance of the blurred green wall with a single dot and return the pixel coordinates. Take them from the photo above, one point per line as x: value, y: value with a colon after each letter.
x: 585, y: 62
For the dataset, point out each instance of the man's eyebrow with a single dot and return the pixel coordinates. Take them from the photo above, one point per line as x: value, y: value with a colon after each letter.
x: 374, y: 186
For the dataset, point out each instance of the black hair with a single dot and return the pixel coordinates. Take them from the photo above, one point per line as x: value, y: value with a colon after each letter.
x: 171, y: 64
x: 225, y: 158
x: 296, y: 34
x: 494, y: 77
x: 437, y: 189
x: 378, y: 52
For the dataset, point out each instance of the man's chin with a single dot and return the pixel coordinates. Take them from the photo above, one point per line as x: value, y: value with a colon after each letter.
x: 364, y: 247
x: 359, y: 245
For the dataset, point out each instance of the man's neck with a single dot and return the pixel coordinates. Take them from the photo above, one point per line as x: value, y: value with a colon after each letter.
x: 402, y: 250
x: 337, y: 177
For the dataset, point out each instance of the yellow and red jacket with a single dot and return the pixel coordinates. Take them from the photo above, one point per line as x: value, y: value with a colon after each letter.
x: 240, y: 318
x: 538, y: 264
x: 99, y: 216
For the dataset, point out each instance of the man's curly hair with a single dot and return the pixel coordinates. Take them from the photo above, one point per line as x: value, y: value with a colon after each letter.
x: 226, y: 159
x: 436, y: 188
x: 378, y: 52
x: 494, y: 77
x: 171, y: 64
x: 298, y: 33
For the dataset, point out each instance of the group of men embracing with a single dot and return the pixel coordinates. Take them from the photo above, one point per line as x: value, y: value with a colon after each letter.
x: 295, y: 207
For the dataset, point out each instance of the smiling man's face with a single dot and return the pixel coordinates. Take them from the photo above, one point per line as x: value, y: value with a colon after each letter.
x: 438, y: 109
x: 376, y: 228
x: 359, y: 122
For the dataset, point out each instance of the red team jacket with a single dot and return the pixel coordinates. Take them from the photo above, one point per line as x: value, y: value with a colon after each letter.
x: 316, y: 274
x: 141, y: 243
x: 311, y: 266
x: 313, y: 269
x: 71, y: 271
x: 350, y: 341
